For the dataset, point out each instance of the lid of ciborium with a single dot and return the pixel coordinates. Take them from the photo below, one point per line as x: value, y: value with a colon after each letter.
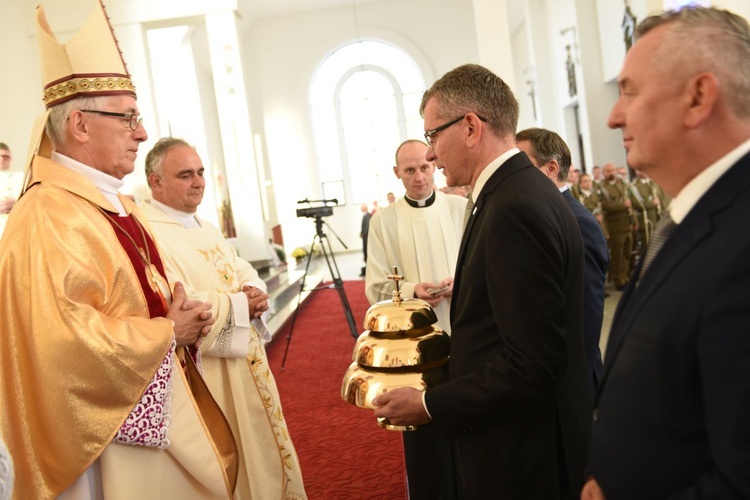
x: 397, y: 314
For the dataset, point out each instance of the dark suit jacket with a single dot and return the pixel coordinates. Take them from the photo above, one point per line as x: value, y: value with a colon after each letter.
x: 672, y: 417
x: 517, y: 403
x: 596, y: 263
x: 365, y: 232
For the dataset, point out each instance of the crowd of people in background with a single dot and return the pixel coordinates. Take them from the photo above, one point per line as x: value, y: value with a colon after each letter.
x: 626, y: 203
x: 627, y: 207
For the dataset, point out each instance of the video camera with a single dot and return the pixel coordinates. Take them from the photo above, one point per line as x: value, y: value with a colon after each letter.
x: 317, y: 208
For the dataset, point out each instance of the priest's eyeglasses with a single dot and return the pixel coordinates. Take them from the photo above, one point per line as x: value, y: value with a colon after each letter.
x: 430, y: 133
x: 133, y: 119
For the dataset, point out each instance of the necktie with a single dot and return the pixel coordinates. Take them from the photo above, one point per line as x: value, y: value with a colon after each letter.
x: 469, y: 208
x: 663, y: 229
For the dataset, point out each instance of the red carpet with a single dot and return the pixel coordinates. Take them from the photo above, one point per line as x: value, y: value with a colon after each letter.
x: 342, y: 451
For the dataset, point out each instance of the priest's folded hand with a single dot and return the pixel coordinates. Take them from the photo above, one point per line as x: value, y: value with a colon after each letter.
x: 192, y: 318
x: 257, y: 301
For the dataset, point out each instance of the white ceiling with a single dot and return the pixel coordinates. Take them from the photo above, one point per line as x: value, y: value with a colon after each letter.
x: 265, y: 8
x: 69, y: 14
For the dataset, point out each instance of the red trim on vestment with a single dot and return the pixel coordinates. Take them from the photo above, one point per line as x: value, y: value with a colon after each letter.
x: 156, y: 305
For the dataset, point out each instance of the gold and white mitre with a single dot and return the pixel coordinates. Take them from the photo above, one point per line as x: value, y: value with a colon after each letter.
x: 90, y: 64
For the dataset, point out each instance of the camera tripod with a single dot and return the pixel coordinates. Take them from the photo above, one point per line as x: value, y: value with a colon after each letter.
x: 337, y: 283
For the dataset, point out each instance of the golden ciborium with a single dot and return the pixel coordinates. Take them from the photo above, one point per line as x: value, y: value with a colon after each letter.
x: 400, y: 347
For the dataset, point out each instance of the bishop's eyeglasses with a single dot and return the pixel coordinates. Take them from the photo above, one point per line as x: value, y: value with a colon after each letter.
x: 132, y: 119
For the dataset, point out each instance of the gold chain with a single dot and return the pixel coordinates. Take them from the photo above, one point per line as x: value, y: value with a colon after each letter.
x: 153, y: 276
x: 145, y: 256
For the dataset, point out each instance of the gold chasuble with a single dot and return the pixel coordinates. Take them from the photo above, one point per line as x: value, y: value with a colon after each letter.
x: 242, y: 385
x: 77, y: 354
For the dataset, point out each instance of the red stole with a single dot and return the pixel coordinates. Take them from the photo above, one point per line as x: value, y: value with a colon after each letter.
x: 156, y: 305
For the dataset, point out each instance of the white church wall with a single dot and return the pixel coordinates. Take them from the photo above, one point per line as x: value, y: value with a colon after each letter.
x: 739, y: 7
x: 285, y: 52
x: 525, y: 87
x: 281, y: 54
x: 20, y: 84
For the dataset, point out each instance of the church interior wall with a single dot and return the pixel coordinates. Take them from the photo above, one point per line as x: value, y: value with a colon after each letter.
x: 596, y: 95
x: 286, y: 50
x: 281, y: 53
x: 741, y: 7
x: 495, y: 23
x: 525, y: 79
x: 539, y: 36
x: 20, y: 84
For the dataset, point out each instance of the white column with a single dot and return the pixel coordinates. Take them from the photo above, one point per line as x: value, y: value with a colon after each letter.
x: 596, y: 96
x: 494, y: 39
x: 539, y: 34
x: 236, y: 135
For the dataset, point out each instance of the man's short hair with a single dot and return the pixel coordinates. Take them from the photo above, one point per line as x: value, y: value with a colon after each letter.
x: 58, y: 116
x: 546, y: 146
x: 4, y: 146
x: 155, y: 157
x: 723, y: 50
x: 474, y: 89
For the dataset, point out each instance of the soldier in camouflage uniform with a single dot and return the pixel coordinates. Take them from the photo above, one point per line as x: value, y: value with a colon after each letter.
x: 616, y: 208
x: 573, y: 179
x: 647, y: 200
x: 589, y: 196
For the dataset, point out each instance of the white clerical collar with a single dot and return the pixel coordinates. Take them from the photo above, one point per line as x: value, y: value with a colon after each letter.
x: 186, y: 220
x: 490, y: 169
x: 687, y: 198
x: 105, y: 183
x: 426, y: 202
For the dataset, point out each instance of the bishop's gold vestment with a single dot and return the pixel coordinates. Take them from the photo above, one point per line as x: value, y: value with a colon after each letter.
x: 77, y: 350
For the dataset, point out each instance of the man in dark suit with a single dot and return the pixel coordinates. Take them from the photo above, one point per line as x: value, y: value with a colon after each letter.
x: 672, y: 416
x: 366, y: 216
x: 549, y: 153
x: 517, y: 401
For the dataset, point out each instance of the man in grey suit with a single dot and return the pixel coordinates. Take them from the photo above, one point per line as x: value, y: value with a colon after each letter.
x: 517, y: 401
x: 549, y: 153
x: 672, y: 416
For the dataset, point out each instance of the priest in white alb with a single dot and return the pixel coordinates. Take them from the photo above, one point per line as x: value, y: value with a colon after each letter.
x: 235, y: 366
x: 420, y: 234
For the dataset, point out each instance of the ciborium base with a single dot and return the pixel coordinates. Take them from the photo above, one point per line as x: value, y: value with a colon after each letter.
x: 386, y: 424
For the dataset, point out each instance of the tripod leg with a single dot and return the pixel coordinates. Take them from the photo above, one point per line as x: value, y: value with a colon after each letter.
x: 299, y: 300
x: 338, y: 284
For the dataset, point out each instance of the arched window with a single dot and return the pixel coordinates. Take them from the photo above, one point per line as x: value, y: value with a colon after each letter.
x: 364, y: 102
